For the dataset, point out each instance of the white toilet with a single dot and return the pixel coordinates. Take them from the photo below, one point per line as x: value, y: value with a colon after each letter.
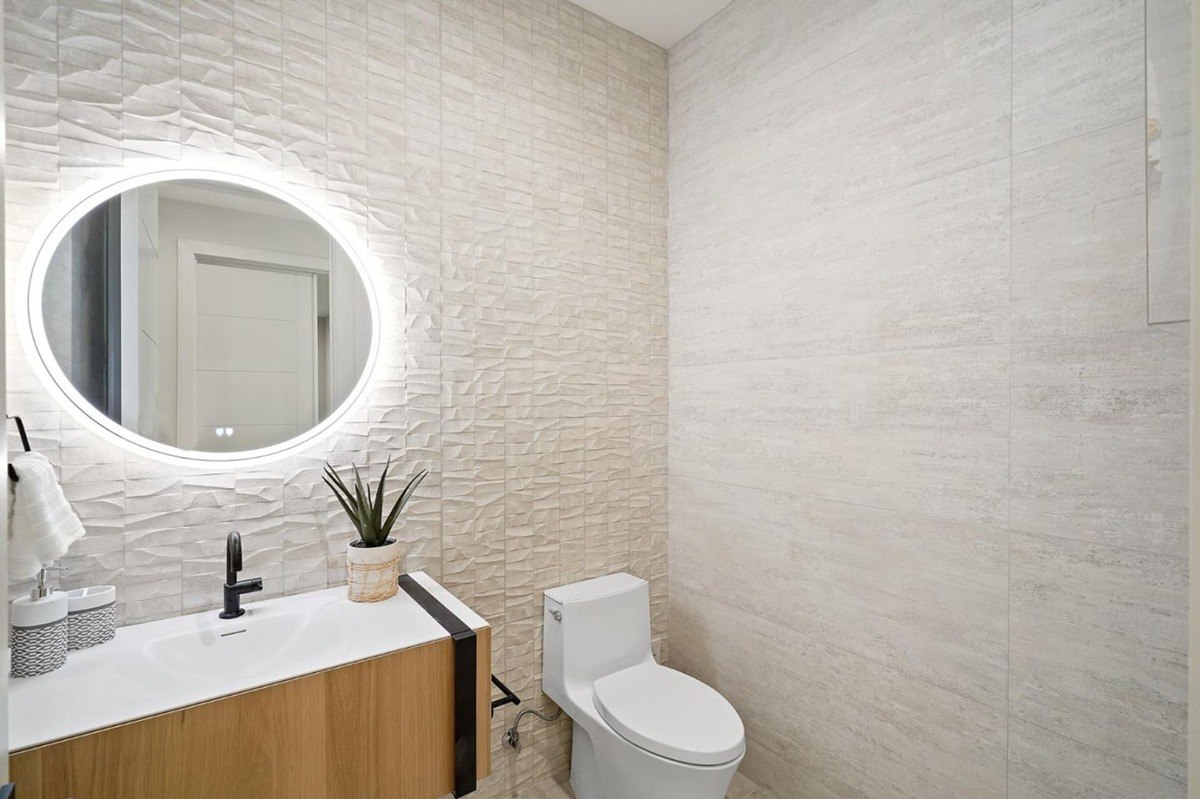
x: 642, y: 731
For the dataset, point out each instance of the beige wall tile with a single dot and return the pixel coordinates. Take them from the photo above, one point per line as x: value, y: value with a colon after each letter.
x: 922, y: 431
x: 1078, y: 66
x: 893, y: 345
x: 797, y: 290
x: 1079, y: 245
x: 1042, y: 764
x: 742, y: 66
x: 923, y: 596
x: 1097, y: 447
x: 835, y: 138
x: 1099, y: 648
x: 836, y: 719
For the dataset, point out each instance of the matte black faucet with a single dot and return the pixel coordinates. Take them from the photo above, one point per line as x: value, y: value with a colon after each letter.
x: 233, y: 588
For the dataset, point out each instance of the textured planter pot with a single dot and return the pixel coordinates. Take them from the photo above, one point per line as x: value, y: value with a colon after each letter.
x: 373, y: 572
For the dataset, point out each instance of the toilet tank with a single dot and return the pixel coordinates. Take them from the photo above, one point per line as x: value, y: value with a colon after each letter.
x: 592, y: 629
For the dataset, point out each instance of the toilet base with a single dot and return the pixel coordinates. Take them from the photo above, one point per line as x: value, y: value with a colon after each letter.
x: 606, y: 766
x: 585, y: 775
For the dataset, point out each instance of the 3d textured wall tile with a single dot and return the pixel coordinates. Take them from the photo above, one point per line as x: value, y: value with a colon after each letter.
x: 503, y: 165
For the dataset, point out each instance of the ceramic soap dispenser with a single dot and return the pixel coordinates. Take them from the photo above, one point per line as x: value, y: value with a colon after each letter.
x: 39, y: 630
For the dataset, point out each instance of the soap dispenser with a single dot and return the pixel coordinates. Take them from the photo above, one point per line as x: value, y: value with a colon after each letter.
x: 39, y: 630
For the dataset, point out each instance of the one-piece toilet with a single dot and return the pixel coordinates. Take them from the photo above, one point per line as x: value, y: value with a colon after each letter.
x: 641, y: 731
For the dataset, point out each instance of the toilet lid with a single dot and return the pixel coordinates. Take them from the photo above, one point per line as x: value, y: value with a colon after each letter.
x: 670, y: 714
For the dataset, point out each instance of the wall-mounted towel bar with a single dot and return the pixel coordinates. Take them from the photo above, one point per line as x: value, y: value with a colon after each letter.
x: 12, y: 473
x: 509, y: 697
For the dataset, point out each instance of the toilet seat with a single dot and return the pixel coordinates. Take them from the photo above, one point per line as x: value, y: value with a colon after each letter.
x: 670, y: 714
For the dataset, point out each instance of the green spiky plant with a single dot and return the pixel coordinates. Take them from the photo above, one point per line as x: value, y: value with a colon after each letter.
x: 365, y: 511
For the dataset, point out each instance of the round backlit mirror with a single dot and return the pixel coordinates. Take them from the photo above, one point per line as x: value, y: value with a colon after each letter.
x: 202, y: 317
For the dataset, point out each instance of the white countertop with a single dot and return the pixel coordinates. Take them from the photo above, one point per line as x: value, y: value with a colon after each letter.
x: 172, y: 663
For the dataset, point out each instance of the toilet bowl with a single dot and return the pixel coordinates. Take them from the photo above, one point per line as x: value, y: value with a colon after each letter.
x: 641, y: 731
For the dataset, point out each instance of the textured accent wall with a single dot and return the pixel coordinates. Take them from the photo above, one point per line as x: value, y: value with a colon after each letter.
x: 920, y: 432
x: 503, y: 164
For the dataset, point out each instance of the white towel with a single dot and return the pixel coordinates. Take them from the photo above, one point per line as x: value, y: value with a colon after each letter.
x: 41, y: 523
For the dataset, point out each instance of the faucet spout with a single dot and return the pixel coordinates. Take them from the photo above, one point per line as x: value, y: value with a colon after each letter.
x: 234, y: 588
x: 233, y: 557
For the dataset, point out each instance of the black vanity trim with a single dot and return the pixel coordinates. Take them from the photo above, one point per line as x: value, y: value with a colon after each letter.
x: 465, y: 659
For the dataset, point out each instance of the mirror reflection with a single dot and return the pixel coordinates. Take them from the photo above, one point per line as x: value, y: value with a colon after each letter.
x: 1169, y: 162
x: 206, y: 315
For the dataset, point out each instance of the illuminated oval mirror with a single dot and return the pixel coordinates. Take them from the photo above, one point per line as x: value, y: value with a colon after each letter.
x: 202, y: 317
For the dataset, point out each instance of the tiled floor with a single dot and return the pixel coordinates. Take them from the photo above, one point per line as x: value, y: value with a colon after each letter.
x: 742, y: 788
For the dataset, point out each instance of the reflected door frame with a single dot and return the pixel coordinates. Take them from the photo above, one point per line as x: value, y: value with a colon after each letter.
x: 192, y: 253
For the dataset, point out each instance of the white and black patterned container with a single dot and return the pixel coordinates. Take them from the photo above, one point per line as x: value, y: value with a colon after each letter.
x: 91, y: 616
x: 39, y: 634
x: 38, y: 650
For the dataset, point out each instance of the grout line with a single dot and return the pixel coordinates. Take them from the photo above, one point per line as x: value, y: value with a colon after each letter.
x: 1083, y: 134
x: 1105, y: 752
x: 1012, y: 69
x: 923, y: 515
x: 830, y: 643
x: 720, y: 600
x: 840, y: 354
x: 825, y: 210
x: 1009, y: 341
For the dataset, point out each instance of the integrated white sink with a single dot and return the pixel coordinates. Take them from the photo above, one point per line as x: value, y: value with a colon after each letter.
x: 252, y: 646
x: 164, y: 665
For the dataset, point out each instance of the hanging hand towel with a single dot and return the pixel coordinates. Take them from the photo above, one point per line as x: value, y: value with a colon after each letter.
x: 41, y: 523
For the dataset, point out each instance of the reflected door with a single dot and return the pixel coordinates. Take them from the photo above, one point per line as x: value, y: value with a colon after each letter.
x: 249, y: 380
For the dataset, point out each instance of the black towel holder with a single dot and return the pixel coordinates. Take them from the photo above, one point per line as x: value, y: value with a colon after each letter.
x: 509, y: 697
x: 12, y: 473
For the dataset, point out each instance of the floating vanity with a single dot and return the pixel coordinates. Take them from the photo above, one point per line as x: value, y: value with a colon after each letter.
x: 304, y: 696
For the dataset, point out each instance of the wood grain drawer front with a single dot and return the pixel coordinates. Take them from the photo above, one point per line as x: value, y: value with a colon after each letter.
x: 379, y: 728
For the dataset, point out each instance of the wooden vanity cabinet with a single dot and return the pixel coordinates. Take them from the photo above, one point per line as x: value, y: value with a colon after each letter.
x: 376, y: 728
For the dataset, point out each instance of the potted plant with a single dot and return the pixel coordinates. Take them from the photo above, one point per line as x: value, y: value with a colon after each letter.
x: 373, y: 560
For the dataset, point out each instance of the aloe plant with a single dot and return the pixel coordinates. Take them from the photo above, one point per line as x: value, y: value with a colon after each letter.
x: 365, y: 511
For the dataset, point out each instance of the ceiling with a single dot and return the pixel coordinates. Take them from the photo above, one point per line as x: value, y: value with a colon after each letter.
x: 663, y: 22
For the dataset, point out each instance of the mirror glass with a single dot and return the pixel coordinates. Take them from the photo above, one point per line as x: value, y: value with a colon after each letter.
x: 205, y: 316
x: 1169, y: 160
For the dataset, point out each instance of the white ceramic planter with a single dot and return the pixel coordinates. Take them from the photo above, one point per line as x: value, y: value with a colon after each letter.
x: 373, y: 572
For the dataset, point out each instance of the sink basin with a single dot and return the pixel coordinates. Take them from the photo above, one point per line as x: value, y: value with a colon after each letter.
x: 172, y: 663
x: 250, y: 644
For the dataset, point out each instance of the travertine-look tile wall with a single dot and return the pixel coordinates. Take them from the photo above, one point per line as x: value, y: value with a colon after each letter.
x: 921, y: 435
x: 503, y: 164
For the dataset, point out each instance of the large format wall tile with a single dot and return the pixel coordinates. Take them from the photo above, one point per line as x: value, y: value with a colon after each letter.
x: 746, y: 63
x: 1078, y: 238
x: 797, y: 289
x: 838, y: 139
x: 1099, y: 648
x: 843, y: 724
x: 908, y: 322
x: 1078, y: 66
x: 921, y: 431
x: 925, y: 597
x: 1099, y: 444
x: 503, y: 166
x: 1042, y: 764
